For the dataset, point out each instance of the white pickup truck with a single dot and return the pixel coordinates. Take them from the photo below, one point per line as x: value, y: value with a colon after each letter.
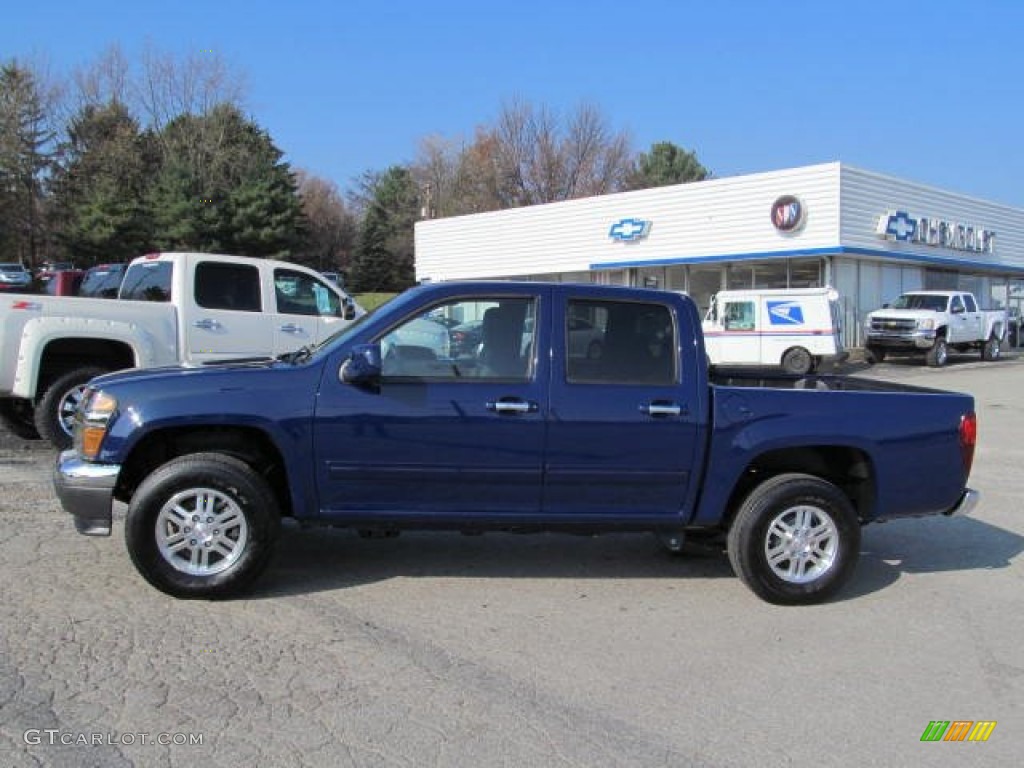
x: 933, y: 322
x: 172, y: 308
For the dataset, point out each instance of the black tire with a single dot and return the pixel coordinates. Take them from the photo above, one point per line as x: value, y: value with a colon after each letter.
x: 798, y: 360
x: 992, y: 349
x: 804, y: 569
x: 239, y: 531
x: 938, y: 355
x: 56, y: 407
x: 18, y: 416
x: 876, y: 354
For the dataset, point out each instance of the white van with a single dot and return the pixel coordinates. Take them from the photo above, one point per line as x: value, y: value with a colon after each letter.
x: 796, y: 328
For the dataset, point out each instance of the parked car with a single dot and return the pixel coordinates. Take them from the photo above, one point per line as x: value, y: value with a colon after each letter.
x: 14, y: 277
x: 465, y: 338
x: 50, y: 268
x: 102, y: 281
x: 64, y: 282
x: 380, y: 429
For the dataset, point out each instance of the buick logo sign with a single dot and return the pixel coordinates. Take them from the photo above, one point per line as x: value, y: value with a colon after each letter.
x: 788, y: 213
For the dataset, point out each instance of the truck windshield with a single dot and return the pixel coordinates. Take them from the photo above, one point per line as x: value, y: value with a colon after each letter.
x: 921, y: 301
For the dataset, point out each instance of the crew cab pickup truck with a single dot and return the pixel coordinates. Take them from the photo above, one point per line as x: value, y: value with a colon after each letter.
x: 932, y: 322
x: 186, y: 308
x: 382, y: 428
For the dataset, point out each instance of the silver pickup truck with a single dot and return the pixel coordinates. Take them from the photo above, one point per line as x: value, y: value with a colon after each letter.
x: 930, y: 323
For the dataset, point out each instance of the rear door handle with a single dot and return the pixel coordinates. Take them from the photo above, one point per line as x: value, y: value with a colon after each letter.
x: 206, y: 324
x: 292, y: 328
x: 511, y: 406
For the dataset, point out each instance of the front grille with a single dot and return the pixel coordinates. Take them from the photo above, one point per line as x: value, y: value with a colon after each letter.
x: 892, y: 324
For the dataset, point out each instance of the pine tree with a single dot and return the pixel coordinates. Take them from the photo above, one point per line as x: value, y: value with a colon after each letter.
x: 24, y: 160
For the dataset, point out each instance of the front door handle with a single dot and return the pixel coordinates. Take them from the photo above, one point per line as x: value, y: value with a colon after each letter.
x: 511, y: 406
x: 661, y: 409
x: 291, y: 328
x: 206, y: 324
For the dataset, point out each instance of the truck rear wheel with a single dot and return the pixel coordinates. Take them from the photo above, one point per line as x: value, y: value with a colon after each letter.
x: 795, y: 540
x: 55, y: 411
x: 992, y: 349
x: 798, y: 360
x: 202, y: 525
x: 938, y: 355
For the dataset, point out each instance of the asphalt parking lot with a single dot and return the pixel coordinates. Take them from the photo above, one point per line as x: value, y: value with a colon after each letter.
x: 438, y: 649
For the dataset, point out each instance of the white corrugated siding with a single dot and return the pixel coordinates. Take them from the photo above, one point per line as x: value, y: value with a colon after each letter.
x: 720, y: 219
x: 708, y: 219
x: 866, y: 196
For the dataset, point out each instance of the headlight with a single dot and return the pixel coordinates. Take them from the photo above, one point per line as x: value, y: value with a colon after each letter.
x: 95, y: 413
x: 926, y: 325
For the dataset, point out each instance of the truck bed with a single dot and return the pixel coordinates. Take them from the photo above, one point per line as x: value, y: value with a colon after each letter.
x: 746, y: 377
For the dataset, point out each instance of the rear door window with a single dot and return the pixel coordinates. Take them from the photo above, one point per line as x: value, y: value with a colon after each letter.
x: 622, y: 343
x: 228, y: 286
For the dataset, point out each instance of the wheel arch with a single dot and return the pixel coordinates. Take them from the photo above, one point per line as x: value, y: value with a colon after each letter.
x: 848, y: 468
x: 62, y: 355
x: 250, y: 445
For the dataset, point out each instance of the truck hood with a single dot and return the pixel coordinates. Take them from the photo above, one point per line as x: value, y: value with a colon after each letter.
x: 211, y: 371
x: 904, y: 314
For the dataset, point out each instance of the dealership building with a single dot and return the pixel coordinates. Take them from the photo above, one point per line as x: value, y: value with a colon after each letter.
x: 868, y: 235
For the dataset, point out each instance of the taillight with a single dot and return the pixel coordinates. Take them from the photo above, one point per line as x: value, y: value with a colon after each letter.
x: 968, y: 439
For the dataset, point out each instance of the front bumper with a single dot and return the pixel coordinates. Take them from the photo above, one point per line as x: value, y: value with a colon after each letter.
x: 86, y: 491
x: 908, y: 340
x: 966, y: 504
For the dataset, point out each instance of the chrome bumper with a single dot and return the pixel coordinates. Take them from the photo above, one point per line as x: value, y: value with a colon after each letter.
x: 86, y: 491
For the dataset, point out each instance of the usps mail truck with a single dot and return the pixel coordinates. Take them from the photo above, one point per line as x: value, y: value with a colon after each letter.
x: 797, y: 328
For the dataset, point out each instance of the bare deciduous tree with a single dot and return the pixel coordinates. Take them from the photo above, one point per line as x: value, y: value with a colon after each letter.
x: 528, y: 156
x: 193, y: 84
x: 330, y: 227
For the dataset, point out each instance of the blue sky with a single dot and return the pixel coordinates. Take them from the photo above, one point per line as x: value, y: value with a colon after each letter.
x: 928, y: 91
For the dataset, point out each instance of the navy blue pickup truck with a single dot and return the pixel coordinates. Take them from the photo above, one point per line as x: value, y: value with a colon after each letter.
x: 580, y: 408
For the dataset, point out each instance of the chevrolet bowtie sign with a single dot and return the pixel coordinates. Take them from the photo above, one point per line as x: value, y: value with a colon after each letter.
x: 626, y: 230
x: 901, y: 227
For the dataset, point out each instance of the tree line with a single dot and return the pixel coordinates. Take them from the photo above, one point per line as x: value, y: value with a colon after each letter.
x: 120, y: 160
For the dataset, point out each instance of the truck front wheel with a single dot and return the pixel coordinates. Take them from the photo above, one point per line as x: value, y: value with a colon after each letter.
x: 202, y: 525
x: 938, y: 355
x: 795, y: 540
x: 55, y: 411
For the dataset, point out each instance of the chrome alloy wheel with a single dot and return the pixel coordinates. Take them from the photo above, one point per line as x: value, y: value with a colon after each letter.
x: 201, y: 531
x: 801, y: 544
x: 68, y: 405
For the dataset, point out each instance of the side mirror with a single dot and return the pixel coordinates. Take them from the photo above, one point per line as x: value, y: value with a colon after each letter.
x: 363, y: 366
x: 348, y: 312
x: 957, y: 310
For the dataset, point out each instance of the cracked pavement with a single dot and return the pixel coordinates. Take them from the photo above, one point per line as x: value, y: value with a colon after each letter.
x: 440, y: 649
